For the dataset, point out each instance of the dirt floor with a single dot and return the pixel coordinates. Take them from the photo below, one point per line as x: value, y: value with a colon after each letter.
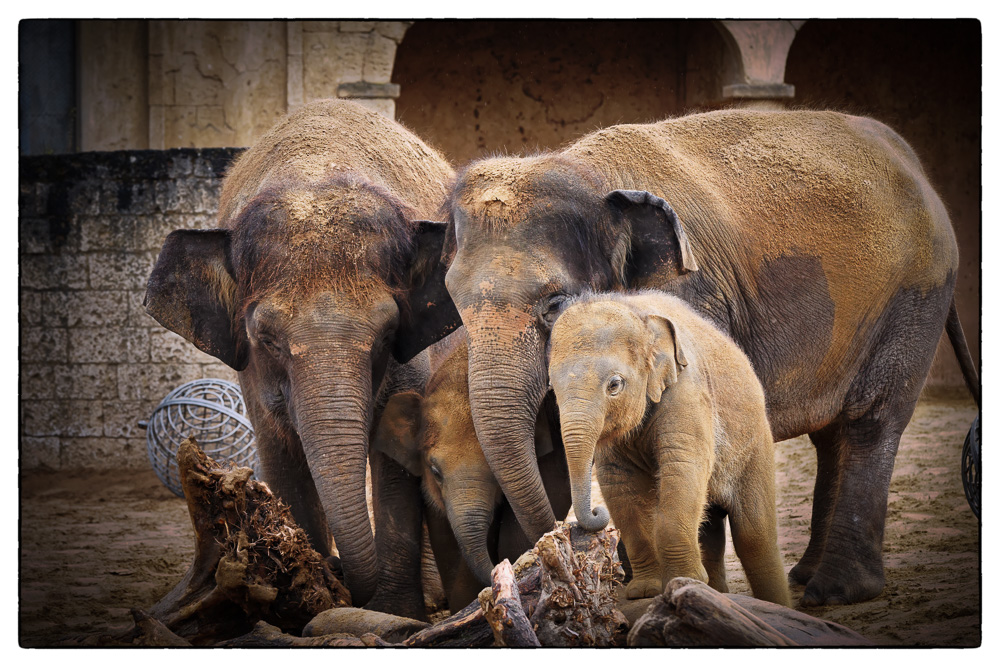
x: 95, y: 544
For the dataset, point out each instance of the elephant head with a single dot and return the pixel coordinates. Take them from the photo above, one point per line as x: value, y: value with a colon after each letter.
x: 607, y: 364
x: 432, y: 435
x: 525, y: 235
x: 308, y: 292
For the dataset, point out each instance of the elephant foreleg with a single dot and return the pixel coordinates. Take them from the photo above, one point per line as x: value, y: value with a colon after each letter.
x: 631, y: 497
x: 398, y: 509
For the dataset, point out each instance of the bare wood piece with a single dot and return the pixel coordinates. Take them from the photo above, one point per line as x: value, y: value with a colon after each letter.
x: 252, y: 562
x: 502, y: 607
x: 265, y: 635
x: 690, y: 613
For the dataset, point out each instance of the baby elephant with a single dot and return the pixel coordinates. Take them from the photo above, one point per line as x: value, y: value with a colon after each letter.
x: 470, y: 524
x: 671, y: 413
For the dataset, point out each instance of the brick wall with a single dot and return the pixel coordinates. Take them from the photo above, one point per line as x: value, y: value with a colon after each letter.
x: 92, y: 363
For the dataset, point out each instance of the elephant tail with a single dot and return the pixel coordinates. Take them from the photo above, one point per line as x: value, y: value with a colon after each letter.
x: 957, y: 337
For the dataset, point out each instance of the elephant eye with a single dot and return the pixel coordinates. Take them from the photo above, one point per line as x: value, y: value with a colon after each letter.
x: 553, y: 306
x: 269, y: 344
x: 436, y: 471
x: 615, y: 385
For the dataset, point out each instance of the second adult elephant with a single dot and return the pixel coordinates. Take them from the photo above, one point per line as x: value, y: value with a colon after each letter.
x: 319, y: 282
x: 813, y: 239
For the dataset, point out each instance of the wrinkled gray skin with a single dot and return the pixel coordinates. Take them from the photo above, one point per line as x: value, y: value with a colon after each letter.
x: 813, y: 239
x: 318, y: 285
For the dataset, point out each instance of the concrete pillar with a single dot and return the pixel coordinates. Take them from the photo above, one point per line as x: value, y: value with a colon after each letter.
x: 373, y: 88
x: 758, y: 51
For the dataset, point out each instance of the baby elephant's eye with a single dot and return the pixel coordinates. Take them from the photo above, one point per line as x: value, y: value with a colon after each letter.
x: 615, y: 385
x: 437, y: 473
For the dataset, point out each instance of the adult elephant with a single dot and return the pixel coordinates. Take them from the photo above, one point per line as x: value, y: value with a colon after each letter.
x: 319, y: 282
x: 813, y: 239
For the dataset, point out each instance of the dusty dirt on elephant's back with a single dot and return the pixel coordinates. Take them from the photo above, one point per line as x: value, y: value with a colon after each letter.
x: 92, y: 545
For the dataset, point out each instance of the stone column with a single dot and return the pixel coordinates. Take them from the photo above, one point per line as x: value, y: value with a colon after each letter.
x: 352, y: 59
x: 758, y: 51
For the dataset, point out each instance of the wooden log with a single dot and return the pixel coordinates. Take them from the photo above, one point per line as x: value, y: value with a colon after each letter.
x: 356, y: 622
x: 579, y: 574
x: 265, y: 635
x: 690, y: 613
x: 252, y: 562
x: 503, y: 611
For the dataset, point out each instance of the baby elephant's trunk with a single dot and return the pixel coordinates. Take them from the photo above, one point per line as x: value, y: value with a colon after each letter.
x: 579, y: 439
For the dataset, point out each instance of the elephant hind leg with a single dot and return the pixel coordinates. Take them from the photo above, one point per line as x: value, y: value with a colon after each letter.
x: 877, y: 408
x: 829, y: 443
x: 712, y: 538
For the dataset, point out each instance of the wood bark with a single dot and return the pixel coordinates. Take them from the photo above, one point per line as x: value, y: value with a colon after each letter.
x: 690, y: 613
x: 265, y: 635
x: 252, y: 562
x: 502, y: 608
x: 579, y: 572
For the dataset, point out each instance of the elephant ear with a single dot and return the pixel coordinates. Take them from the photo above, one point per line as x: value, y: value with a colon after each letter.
x: 397, y: 432
x: 656, y: 238
x: 191, y: 291
x: 667, y: 358
x: 428, y: 313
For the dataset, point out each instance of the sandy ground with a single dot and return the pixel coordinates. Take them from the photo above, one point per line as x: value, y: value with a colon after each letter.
x: 94, y: 544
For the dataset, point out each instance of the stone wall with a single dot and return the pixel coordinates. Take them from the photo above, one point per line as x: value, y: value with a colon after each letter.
x: 92, y: 363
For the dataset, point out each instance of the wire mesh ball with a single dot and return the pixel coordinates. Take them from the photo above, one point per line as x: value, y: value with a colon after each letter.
x: 213, y: 413
x: 972, y: 467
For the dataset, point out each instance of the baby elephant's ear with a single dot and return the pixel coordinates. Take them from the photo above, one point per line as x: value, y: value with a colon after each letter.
x: 667, y: 357
x: 396, y: 435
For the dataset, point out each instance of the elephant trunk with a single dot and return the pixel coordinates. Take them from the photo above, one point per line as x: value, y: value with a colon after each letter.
x: 331, y: 406
x: 580, y: 435
x: 507, y: 382
x: 471, y: 523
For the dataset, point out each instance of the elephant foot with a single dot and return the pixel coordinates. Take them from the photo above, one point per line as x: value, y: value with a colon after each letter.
x: 844, y: 587
x: 803, y: 571
x: 643, y: 588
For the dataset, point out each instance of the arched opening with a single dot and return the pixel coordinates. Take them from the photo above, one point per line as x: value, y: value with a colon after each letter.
x: 473, y: 88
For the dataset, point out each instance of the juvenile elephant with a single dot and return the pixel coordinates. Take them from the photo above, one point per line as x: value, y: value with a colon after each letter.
x: 319, y: 282
x: 670, y: 412
x: 813, y: 239
x: 432, y: 436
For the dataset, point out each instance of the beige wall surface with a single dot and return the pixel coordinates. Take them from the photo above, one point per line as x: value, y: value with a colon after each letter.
x: 114, y: 102
x: 188, y: 84
x: 472, y: 88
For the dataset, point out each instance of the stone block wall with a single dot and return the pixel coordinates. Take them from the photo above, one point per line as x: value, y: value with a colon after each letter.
x: 92, y: 363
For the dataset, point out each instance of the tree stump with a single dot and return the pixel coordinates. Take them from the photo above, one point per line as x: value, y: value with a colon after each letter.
x: 566, y: 590
x: 252, y: 562
x: 579, y: 574
x: 690, y: 613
